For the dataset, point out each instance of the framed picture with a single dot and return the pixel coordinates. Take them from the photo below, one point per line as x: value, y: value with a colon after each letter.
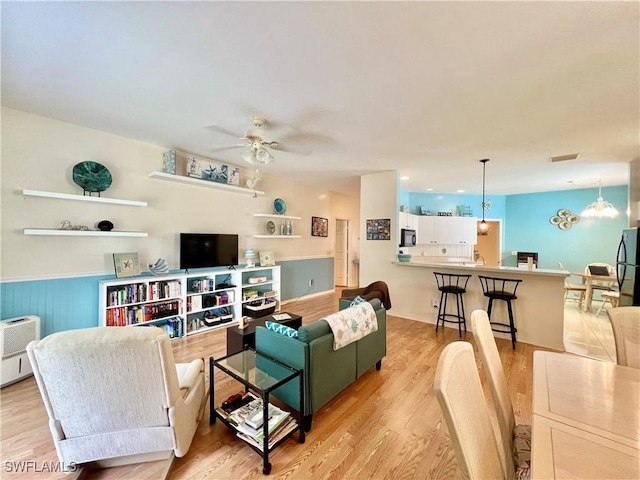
x: 234, y: 176
x: 126, y: 264
x: 266, y: 259
x: 214, y: 172
x: 379, y: 229
x: 319, y: 227
x: 193, y: 167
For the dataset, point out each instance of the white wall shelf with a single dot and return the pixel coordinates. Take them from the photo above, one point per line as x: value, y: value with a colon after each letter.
x: 82, y: 198
x: 203, y: 183
x: 277, y: 236
x: 275, y: 215
x: 82, y: 233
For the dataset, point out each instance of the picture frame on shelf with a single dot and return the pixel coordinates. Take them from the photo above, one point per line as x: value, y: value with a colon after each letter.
x: 319, y: 227
x: 193, y: 167
x: 126, y: 264
x: 267, y: 259
x: 234, y: 176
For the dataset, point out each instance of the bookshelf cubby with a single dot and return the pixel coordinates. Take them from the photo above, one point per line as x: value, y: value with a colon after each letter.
x: 188, y: 303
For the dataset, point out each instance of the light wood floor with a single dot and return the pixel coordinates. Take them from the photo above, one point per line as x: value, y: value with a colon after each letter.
x: 386, y: 425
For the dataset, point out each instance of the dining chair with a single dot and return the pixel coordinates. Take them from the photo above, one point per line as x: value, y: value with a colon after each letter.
x: 515, y: 439
x: 601, y: 284
x: 464, y: 408
x: 613, y: 298
x: 625, y: 322
x: 579, y: 288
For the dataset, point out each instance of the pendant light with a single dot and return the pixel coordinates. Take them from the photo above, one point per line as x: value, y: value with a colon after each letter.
x: 600, y: 208
x: 483, y: 229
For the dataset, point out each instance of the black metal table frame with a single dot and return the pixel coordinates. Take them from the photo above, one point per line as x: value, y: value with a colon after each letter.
x: 264, y: 394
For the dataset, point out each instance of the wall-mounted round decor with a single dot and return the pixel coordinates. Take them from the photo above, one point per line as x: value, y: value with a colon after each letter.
x: 564, y: 219
x: 92, y: 176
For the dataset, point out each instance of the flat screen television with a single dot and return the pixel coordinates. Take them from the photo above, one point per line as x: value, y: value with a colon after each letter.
x: 202, y: 250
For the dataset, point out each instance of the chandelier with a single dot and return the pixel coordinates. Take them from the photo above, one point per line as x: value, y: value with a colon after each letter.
x: 600, y: 208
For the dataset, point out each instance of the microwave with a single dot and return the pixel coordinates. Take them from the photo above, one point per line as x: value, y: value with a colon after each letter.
x: 407, y: 237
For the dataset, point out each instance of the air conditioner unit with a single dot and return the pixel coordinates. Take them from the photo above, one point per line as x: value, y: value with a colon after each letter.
x: 15, y: 335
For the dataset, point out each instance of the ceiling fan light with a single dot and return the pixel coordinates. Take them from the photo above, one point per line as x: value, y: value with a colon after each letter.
x: 248, y: 156
x: 263, y: 156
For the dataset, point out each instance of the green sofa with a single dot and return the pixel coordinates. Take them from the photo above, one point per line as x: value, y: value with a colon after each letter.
x: 326, y: 372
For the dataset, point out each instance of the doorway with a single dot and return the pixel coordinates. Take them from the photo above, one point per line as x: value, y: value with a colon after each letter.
x: 341, y: 262
x: 489, y: 246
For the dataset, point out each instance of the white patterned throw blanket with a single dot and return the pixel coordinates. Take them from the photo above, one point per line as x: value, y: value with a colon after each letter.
x: 352, y: 324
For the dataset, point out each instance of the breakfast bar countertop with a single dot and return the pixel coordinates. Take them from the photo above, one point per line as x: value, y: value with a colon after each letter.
x: 483, y: 268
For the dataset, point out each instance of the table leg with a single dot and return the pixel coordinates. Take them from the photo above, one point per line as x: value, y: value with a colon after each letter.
x: 212, y: 407
x: 588, y: 295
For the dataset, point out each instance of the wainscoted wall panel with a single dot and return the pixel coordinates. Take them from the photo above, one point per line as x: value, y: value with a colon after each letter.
x: 296, y: 274
x: 70, y: 303
x: 62, y: 304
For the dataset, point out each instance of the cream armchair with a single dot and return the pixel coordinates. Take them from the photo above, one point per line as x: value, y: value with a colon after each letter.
x: 115, y: 395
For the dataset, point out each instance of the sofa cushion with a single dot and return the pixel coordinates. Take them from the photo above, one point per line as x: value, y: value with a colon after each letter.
x: 281, y: 329
x: 311, y: 331
x: 357, y: 301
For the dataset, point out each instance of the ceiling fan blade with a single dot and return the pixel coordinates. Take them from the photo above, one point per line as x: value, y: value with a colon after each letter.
x: 220, y: 149
x: 217, y: 128
x: 299, y: 150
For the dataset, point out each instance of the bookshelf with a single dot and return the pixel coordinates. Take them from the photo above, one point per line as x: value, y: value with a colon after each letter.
x: 188, y: 303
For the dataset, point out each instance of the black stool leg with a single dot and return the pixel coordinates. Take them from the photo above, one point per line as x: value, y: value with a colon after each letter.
x: 513, y: 327
x: 461, y: 309
x: 489, y: 308
x: 442, y: 295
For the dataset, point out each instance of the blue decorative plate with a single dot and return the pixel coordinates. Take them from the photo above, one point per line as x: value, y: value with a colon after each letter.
x: 91, y: 176
x: 279, y: 206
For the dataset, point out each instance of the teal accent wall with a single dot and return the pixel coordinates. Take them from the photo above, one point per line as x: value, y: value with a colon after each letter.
x: 527, y: 228
x: 70, y: 303
x: 403, y: 198
x: 447, y: 202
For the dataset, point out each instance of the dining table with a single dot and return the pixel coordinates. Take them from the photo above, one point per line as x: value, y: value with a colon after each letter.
x: 585, y: 418
x: 590, y: 280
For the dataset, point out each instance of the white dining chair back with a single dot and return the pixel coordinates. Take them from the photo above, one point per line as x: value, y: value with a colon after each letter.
x: 601, y: 284
x: 459, y: 393
x: 515, y: 439
x: 579, y: 288
x: 625, y: 322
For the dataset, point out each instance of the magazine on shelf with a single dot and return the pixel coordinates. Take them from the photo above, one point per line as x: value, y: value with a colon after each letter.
x: 286, y: 426
x: 276, y: 419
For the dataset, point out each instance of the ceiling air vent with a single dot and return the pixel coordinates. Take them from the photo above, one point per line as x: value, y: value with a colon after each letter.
x: 564, y: 158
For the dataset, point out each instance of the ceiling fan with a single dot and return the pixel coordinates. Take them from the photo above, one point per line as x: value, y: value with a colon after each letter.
x: 256, y: 143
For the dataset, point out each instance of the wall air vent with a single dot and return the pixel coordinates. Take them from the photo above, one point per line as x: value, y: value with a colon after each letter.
x: 564, y: 158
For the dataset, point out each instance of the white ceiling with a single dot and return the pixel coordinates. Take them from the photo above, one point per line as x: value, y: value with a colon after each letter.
x: 427, y: 88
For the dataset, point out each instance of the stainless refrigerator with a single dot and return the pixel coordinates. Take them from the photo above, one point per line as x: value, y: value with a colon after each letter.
x: 628, y: 267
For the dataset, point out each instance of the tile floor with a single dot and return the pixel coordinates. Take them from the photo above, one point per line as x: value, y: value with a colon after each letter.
x: 588, y: 335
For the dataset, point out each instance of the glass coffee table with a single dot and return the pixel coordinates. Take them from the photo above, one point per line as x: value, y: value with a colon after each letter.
x: 260, y: 376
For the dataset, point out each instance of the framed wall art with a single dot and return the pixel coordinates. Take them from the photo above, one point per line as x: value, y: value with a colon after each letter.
x: 267, y: 259
x: 319, y: 227
x: 379, y: 229
x: 126, y: 264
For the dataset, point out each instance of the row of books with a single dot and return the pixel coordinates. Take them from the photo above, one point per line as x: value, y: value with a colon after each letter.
x: 172, y: 326
x: 281, y: 422
x: 123, y: 316
x: 142, y: 292
x: 202, y: 285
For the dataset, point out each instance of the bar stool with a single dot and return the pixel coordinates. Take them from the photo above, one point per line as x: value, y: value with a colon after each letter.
x: 450, y: 284
x: 501, y: 289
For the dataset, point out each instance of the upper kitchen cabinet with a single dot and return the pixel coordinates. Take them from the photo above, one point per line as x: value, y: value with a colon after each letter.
x: 425, y: 230
x: 447, y: 230
x: 408, y: 220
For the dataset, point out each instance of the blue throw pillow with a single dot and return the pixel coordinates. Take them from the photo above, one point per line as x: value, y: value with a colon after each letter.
x: 357, y: 301
x: 281, y: 329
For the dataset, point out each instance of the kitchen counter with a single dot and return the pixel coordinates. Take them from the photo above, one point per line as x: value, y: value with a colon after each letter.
x: 538, y: 310
x: 484, y: 268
